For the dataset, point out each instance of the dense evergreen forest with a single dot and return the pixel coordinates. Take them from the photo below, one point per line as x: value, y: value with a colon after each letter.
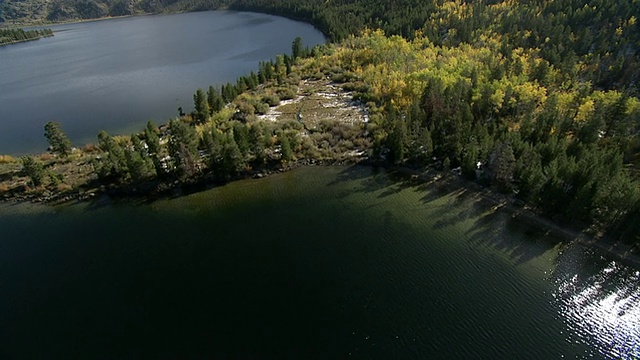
x: 538, y: 99
x: 10, y: 36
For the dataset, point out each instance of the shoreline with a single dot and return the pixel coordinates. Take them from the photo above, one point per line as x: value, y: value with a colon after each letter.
x: 433, y: 178
x: 153, y: 190
x: 24, y: 41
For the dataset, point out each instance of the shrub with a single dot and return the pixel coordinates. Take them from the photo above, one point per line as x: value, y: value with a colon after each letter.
x: 271, y: 99
x: 246, y: 108
x: 286, y: 93
x: 261, y: 108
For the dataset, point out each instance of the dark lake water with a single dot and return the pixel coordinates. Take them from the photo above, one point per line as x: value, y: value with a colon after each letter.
x: 118, y: 74
x: 330, y: 262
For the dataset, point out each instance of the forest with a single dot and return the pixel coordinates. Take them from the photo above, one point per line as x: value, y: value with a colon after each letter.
x: 537, y: 99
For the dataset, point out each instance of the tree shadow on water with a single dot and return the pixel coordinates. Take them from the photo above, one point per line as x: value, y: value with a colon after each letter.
x: 368, y: 179
x: 459, y: 206
x: 495, y: 223
x: 508, y: 232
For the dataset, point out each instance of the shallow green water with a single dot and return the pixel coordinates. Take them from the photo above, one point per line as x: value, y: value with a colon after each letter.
x: 323, y: 262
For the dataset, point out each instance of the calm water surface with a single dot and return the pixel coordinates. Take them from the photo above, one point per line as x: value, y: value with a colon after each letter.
x: 318, y: 262
x: 118, y: 74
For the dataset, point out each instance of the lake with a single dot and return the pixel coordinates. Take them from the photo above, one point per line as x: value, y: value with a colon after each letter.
x: 319, y: 262
x: 118, y: 74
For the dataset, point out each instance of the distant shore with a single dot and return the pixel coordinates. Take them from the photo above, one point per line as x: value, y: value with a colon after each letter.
x: 29, y: 25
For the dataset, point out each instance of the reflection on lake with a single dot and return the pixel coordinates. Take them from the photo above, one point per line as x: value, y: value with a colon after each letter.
x: 326, y: 262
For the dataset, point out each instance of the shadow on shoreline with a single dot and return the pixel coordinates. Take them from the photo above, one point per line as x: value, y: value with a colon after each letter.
x: 496, y: 223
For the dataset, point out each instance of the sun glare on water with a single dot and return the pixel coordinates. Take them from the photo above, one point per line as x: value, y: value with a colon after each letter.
x: 603, y: 310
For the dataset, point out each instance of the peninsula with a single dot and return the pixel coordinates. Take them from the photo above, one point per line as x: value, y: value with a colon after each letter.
x: 14, y: 36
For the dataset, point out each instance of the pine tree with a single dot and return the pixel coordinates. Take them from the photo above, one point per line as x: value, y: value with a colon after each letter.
x: 285, y: 148
x: 33, y: 169
x: 241, y: 137
x: 115, y: 164
x: 155, y: 150
x: 232, y: 160
x: 469, y: 161
x: 58, y: 140
x: 183, y: 146
x: 139, y: 164
x: 257, y: 143
x: 296, y: 48
x: 502, y: 163
x: 213, y: 144
x: 201, y: 106
x: 214, y: 100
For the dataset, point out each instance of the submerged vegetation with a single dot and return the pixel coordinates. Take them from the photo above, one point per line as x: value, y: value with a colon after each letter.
x: 537, y: 99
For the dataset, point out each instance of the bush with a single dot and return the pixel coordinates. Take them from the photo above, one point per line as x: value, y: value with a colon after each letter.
x: 91, y: 148
x: 261, y: 108
x: 293, y: 79
x: 292, y: 124
x: 271, y: 99
x: 55, y: 178
x: 285, y: 93
x: 246, y: 108
x: 358, y: 86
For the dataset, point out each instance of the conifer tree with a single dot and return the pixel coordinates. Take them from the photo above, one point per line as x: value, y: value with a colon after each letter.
x: 155, y: 150
x: 232, y: 160
x: 214, y: 99
x: 201, y: 106
x: 115, y: 164
x: 296, y: 48
x: 58, y: 140
x: 183, y: 147
x: 285, y: 148
x: 139, y: 164
x: 33, y: 169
